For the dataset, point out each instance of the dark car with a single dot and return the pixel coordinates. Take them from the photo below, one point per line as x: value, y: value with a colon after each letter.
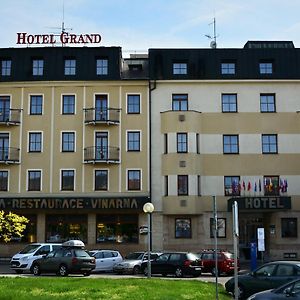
x: 65, y: 260
x: 225, y: 262
x: 268, y: 276
x: 175, y: 263
x: 289, y: 290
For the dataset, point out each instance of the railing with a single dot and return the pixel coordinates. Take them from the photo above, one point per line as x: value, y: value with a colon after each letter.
x: 9, y: 155
x: 10, y: 116
x: 101, y: 154
x: 97, y: 116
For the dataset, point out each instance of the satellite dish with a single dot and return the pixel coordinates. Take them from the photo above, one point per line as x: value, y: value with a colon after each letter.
x: 213, y: 44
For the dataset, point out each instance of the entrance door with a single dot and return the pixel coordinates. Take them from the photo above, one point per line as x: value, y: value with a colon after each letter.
x: 101, y: 108
x: 101, y: 145
x: 4, y: 108
x: 4, y: 144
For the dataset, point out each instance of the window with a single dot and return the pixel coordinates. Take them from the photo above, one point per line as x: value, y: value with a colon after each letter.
x: 266, y: 68
x: 67, y: 180
x: 6, y: 67
x: 221, y: 227
x: 269, y: 143
x: 102, y: 66
x: 101, y: 180
x: 133, y: 104
x: 117, y: 228
x: 271, y: 186
x: 197, y: 143
x: 179, y: 102
x: 289, y: 228
x: 230, y: 144
x: 166, y: 185
x: 182, y: 185
x: 267, y: 103
x: 179, y: 68
x: 182, y: 142
x: 3, y: 181
x: 183, y: 228
x: 133, y: 141
x: 134, y: 180
x: 35, y: 142
x: 68, y: 105
x: 36, y: 105
x: 34, y: 180
x: 165, y: 143
x: 70, y: 66
x: 199, y: 185
x: 37, y: 67
x: 229, y: 103
x: 231, y: 186
x: 68, y: 142
x: 228, y: 68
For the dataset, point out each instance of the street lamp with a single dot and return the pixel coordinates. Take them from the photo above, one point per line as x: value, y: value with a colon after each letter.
x: 148, y: 209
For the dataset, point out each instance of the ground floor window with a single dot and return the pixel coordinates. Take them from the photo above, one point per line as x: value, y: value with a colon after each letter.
x: 60, y: 228
x: 183, y: 228
x: 221, y: 228
x: 289, y: 227
x: 117, y: 229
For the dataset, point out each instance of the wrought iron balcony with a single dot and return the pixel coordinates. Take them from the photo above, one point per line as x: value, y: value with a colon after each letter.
x: 101, y: 116
x: 9, y: 155
x: 101, y: 154
x: 10, y: 116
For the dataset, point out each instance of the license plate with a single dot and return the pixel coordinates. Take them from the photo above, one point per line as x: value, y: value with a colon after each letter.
x: 198, y: 269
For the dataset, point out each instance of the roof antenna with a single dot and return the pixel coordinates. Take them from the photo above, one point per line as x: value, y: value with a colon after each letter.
x: 213, y: 43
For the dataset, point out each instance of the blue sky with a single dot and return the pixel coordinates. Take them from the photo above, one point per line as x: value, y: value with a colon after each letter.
x: 139, y: 24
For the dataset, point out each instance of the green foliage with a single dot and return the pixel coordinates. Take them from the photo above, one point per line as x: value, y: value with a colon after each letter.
x: 11, y: 225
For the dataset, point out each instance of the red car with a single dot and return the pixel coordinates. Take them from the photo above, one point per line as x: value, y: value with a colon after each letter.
x: 225, y: 262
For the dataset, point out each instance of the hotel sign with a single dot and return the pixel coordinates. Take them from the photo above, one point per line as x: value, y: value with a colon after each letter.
x: 261, y: 203
x: 117, y: 203
x: 23, y: 38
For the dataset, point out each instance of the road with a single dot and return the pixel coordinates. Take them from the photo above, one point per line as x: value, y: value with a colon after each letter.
x: 7, y: 272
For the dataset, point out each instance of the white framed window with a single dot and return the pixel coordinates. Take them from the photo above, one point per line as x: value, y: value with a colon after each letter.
x: 67, y: 179
x: 34, y: 180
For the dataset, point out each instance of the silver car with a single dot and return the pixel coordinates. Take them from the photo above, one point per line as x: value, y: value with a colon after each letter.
x: 106, y: 259
x: 132, y: 262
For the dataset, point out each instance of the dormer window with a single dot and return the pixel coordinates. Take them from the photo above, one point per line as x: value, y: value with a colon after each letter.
x: 37, y: 67
x: 228, y: 68
x: 6, y: 67
x: 102, y: 66
x: 266, y: 67
x: 179, y: 68
x: 70, y: 66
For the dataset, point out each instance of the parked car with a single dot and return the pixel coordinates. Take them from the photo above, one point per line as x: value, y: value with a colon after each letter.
x: 22, y: 261
x: 175, y: 263
x: 268, y: 276
x: 132, y: 262
x: 105, y: 259
x: 225, y: 262
x: 69, y: 258
x: 288, y: 290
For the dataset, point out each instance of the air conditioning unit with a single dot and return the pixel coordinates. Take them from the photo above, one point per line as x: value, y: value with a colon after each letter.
x: 181, y: 118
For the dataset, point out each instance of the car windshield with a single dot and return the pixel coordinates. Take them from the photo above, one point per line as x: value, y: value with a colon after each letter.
x: 229, y: 255
x: 81, y: 253
x: 135, y: 255
x: 192, y: 256
x: 29, y: 249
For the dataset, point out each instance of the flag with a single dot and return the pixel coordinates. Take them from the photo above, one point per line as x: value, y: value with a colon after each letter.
x: 249, y: 186
x: 259, y: 185
x: 244, y: 185
x: 281, y: 187
x: 255, y: 187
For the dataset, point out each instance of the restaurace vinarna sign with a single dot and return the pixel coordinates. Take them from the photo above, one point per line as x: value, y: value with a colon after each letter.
x: 63, y: 38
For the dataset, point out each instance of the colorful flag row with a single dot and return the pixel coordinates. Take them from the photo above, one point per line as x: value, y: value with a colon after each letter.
x: 281, y: 186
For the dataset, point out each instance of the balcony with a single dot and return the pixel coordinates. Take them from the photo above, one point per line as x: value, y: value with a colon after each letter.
x: 101, y: 116
x: 9, y: 155
x: 10, y: 116
x: 101, y: 155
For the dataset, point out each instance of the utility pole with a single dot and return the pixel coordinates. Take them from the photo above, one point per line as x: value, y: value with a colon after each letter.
x: 216, y: 243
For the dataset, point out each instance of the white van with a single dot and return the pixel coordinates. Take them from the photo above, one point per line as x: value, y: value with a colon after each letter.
x: 22, y: 261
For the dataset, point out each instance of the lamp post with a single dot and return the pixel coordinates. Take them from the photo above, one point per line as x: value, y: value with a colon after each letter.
x: 148, y: 208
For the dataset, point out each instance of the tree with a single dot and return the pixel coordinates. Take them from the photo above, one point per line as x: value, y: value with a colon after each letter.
x: 11, y: 225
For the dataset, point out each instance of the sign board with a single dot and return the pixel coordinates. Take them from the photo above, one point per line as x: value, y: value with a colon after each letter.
x: 260, y: 233
x: 143, y: 229
x: 261, y: 245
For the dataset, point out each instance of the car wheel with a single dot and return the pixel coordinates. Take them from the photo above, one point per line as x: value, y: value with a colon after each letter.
x: 136, y: 270
x: 87, y: 273
x: 213, y: 272
x: 19, y: 271
x: 63, y: 270
x: 178, y: 272
x: 36, y: 270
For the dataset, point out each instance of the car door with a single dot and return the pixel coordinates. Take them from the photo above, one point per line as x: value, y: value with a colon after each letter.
x: 99, y: 261
x: 159, y: 265
x: 108, y: 261
x: 175, y: 261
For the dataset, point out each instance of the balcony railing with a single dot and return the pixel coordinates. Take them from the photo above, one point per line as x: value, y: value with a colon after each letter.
x: 9, y: 155
x: 10, y: 116
x: 101, y: 154
x: 101, y: 116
